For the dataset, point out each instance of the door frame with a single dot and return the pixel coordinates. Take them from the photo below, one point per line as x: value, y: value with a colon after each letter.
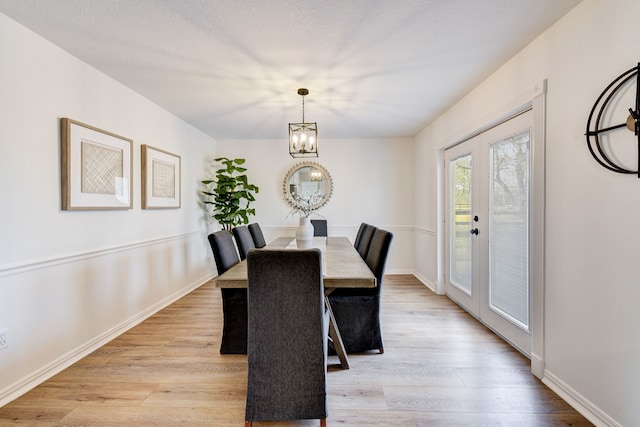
x: 538, y: 104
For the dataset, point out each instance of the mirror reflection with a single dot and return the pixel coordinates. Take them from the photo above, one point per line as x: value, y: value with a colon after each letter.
x: 307, y: 186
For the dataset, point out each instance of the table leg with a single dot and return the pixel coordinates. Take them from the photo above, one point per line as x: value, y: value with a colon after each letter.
x: 334, y: 333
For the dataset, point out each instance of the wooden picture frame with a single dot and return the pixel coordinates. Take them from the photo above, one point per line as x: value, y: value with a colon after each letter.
x: 160, y: 179
x: 96, y: 168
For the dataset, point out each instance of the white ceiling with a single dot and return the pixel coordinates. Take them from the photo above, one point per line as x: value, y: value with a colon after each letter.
x: 374, y: 68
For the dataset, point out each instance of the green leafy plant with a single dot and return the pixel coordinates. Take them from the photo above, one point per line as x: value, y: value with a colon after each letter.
x: 230, y: 194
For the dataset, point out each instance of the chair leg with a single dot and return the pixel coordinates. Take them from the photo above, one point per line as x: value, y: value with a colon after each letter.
x: 248, y: 423
x: 323, y: 422
x: 381, y: 350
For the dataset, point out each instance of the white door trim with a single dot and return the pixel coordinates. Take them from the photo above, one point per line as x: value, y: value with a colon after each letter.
x: 538, y: 104
x: 538, y: 227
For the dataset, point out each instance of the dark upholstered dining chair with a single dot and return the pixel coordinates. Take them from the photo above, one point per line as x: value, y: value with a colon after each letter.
x: 358, y: 238
x: 256, y: 234
x: 288, y: 327
x: 243, y: 239
x: 319, y: 227
x: 357, y: 311
x: 234, y: 301
x: 365, y: 241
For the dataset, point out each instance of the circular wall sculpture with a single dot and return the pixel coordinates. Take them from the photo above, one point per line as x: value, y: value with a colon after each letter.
x: 610, y: 121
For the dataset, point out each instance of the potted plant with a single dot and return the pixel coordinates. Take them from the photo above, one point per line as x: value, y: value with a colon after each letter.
x: 230, y: 194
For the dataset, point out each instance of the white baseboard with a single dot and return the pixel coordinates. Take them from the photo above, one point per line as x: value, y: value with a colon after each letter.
x: 425, y: 281
x: 537, y: 366
x: 22, y: 386
x: 579, y: 403
x: 392, y: 271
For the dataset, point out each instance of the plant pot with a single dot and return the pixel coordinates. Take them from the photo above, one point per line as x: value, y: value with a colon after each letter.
x: 304, y: 233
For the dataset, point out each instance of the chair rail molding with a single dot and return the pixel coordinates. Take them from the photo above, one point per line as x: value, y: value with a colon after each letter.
x: 17, y: 268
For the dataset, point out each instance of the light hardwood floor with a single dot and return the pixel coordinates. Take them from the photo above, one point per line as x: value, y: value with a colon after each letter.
x: 440, y: 368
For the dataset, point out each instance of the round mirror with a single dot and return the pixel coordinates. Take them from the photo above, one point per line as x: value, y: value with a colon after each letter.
x: 307, y: 187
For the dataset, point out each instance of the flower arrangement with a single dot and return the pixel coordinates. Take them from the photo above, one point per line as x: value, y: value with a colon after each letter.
x: 305, y: 204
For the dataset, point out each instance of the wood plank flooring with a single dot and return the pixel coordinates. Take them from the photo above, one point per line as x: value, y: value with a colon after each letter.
x: 440, y: 368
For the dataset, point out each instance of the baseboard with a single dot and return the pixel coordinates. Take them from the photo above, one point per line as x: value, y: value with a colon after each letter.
x: 398, y: 271
x: 19, y: 388
x: 537, y: 366
x: 425, y: 281
x: 578, y: 402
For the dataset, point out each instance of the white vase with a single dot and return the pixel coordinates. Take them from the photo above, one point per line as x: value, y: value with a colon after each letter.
x: 304, y: 233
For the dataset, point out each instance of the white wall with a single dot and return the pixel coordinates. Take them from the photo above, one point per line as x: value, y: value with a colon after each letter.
x: 373, y: 183
x: 591, y: 280
x: 69, y: 280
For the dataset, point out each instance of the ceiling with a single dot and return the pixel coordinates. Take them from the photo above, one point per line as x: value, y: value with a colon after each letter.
x: 231, y: 68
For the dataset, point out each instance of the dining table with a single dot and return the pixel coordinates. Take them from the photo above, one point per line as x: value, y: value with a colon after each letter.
x: 342, y: 265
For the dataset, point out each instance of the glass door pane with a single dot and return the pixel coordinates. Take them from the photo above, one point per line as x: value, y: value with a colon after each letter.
x: 509, y: 229
x: 460, y: 265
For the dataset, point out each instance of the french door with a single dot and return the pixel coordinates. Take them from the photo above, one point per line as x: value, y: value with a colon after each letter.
x: 488, y: 226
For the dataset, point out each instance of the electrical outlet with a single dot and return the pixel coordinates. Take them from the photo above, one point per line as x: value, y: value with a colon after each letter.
x: 3, y: 339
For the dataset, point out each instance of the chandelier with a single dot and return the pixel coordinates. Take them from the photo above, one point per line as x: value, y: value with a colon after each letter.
x: 303, y: 137
x: 315, y: 175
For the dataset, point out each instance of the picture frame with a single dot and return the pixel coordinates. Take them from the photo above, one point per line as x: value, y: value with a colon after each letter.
x: 161, y: 172
x: 96, y: 168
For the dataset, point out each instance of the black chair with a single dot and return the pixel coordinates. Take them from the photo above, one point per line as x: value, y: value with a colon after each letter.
x: 319, y: 227
x: 234, y: 301
x: 365, y: 240
x: 363, y: 227
x: 256, y: 234
x: 243, y: 239
x: 357, y: 311
x: 224, y: 251
x: 288, y: 327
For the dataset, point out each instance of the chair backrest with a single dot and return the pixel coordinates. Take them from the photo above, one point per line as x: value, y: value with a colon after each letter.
x: 377, y: 256
x: 287, y: 335
x: 224, y: 251
x: 243, y: 239
x: 256, y: 234
x: 363, y: 227
x: 365, y: 241
x: 319, y: 227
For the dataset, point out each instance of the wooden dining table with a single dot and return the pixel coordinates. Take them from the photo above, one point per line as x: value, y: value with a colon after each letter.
x: 342, y: 268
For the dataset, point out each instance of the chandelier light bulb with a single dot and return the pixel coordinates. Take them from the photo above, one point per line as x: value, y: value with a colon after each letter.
x: 303, y: 137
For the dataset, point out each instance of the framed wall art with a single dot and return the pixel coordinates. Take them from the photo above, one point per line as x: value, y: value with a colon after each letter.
x: 96, y: 168
x: 160, y: 179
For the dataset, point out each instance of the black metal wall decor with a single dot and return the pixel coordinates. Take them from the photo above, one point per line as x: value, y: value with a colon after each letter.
x: 605, y: 105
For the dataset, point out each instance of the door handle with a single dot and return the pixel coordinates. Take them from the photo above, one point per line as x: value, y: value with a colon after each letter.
x: 474, y: 231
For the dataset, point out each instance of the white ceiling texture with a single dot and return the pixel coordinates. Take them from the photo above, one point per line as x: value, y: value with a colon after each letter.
x: 374, y: 68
